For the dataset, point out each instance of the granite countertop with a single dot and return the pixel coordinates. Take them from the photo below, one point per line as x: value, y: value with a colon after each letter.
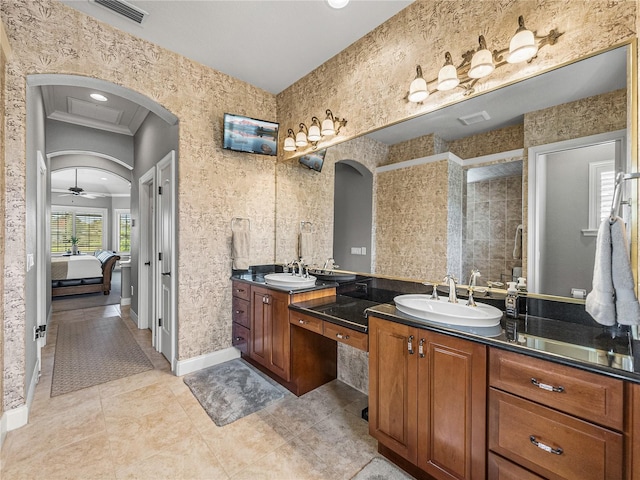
x: 559, y: 332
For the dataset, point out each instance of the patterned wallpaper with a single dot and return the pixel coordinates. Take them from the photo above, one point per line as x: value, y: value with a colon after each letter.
x: 368, y: 82
x: 496, y: 141
x: 214, y: 185
x: 4, y: 53
x: 365, y: 83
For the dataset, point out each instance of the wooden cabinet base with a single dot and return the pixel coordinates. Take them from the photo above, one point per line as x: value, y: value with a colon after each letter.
x: 314, y: 361
x: 403, y: 463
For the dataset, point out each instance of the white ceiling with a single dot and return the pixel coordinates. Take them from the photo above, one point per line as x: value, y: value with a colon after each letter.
x: 91, y: 180
x: 268, y: 43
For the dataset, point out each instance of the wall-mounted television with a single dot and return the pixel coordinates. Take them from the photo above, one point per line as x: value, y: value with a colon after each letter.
x: 314, y: 160
x: 245, y: 134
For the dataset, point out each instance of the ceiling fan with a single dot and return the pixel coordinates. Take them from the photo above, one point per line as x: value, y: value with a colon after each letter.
x: 79, y: 191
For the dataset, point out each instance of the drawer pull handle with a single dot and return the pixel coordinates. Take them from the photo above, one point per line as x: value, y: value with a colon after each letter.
x: 548, y: 388
x: 421, y: 348
x: 339, y: 335
x: 239, y: 311
x: 240, y: 290
x: 302, y: 322
x: 546, y: 448
x: 410, y: 345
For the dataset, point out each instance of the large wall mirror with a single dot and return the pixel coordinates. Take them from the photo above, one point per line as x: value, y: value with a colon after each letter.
x: 451, y: 189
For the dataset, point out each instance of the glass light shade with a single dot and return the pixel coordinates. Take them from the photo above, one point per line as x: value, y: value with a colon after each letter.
x: 448, y: 78
x: 301, y: 139
x: 522, y: 47
x: 481, y: 64
x: 314, y: 133
x: 418, y: 90
x: 337, y: 3
x: 289, y: 144
x: 328, y: 128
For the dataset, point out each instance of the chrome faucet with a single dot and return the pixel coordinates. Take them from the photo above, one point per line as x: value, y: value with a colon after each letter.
x: 451, y: 281
x: 329, y: 263
x: 472, y: 285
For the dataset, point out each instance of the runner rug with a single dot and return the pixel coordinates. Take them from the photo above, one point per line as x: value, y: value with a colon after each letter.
x: 91, y: 352
x: 232, y: 390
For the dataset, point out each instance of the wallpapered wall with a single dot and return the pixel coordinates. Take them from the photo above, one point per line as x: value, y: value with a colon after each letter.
x: 214, y: 185
x: 366, y: 83
x: 4, y: 53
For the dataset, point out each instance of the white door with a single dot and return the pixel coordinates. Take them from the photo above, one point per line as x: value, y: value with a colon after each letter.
x: 42, y: 249
x: 146, y: 265
x: 166, y: 256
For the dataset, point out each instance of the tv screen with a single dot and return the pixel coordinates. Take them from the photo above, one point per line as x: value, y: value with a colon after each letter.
x: 314, y: 160
x: 245, y: 134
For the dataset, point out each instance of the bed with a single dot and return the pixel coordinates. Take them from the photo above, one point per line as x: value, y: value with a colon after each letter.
x: 76, y: 274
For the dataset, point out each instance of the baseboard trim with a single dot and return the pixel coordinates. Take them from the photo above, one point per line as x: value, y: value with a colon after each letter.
x: 134, y: 318
x: 203, y: 361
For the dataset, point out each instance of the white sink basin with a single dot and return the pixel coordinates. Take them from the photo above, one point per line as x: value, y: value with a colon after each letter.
x: 286, y: 280
x: 441, y: 311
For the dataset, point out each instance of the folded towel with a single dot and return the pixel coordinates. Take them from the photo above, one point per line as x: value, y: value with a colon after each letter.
x: 240, y: 247
x: 517, y: 243
x: 305, y: 246
x: 600, y: 302
x: 627, y: 306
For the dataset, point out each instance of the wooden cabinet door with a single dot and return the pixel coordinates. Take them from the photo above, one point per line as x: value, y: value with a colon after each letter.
x: 392, y: 386
x: 451, y: 407
x: 279, y: 335
x: 260, y: 337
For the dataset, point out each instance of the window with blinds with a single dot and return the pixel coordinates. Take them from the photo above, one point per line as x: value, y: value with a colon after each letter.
x: 123, y: 231
x: 601, y: 188
x: 87, y: 224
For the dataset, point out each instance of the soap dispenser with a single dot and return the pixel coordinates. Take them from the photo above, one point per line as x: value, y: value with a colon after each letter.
x: 511, y: 300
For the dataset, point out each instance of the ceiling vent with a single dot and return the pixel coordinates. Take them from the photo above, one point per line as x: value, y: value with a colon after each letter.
x: 123, y: 8
x: 474, y: 118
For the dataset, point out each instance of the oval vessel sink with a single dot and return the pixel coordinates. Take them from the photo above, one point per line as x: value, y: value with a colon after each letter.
x: 331, y: 276
x: 441, y: 311
x: 286, y: 280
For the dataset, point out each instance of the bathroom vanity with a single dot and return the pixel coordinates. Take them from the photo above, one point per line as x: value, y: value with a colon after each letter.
x: 562, y: 400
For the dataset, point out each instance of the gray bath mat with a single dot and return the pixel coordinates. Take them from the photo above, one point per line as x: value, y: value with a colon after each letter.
x: 232, y: 390
x: 380, y: 469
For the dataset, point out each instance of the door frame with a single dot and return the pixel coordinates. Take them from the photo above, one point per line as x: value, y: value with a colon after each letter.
x: 147, y: 183
x: 43, y: 236
x: 536, y: 157
x: 168, y: 160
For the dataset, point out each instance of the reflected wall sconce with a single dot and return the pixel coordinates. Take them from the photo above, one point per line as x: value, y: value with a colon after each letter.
x: 479, y: 63
x: 329, y: 127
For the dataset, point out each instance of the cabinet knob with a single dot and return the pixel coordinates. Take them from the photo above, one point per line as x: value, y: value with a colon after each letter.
x: 239, y: 338
x: 345, y: 337
x: 302, y: 322
x: 239, y: 311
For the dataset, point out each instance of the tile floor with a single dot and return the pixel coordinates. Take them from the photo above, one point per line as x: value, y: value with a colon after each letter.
x: 151, y: 426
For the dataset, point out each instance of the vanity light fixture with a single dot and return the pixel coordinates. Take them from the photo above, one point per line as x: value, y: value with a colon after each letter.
x: 329, y: 127
x: 477, y: 64
x: 290, y: 142
x: 301, y: 136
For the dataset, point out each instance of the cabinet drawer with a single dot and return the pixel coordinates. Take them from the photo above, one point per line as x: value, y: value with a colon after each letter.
x: 306, y: 321
x: 501, y: 469
x: 241, y: 290
x: 587, y: 395
x: 551, y: 443
x: 345, y: 335
x: 240, y: 338
x: 240, y: 313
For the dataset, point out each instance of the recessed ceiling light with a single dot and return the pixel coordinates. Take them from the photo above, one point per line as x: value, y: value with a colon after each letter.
x: 104, y: 178
x: 337, y: 3
x: 99, y: 97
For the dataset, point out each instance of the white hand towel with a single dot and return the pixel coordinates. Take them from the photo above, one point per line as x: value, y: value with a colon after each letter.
x: 627, y: 306
x: 600, y: 302
x: 305, y: 246
x: 240, y: 247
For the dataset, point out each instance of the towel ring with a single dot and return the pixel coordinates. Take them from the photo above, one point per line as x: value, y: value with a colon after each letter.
x: 617, y: 193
